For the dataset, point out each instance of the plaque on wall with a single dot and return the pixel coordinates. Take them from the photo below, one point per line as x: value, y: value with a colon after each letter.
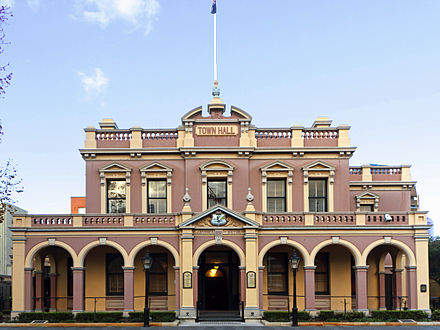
x: 251, y: 280
x: 187, y: 280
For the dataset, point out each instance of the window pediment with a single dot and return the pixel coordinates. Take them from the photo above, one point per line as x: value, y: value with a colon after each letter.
x: 367, y: 198
x: 216, y: 165
x: 156, y: 167
x: 114, y: 167
x: 277, y: 168
x: 319, y: 168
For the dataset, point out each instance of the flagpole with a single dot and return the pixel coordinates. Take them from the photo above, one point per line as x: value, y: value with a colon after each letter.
x: 215, y: 48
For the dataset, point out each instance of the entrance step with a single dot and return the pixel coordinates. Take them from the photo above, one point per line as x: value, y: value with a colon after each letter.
x: 226, y: 316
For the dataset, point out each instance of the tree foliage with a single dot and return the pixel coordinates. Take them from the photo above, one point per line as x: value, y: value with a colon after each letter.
x: 434, y: 259
x: 5, y: 75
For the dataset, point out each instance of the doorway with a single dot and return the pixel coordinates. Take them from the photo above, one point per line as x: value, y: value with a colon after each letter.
x: 218, y: 280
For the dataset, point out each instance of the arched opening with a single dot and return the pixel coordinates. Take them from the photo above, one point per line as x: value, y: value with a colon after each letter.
x: 52, y: 280
x: 103, y: 279
x: 277, y: 292
x: 335, y: 278
x: 162, y: 280
x: 218, y: 279
x: 387, y: 278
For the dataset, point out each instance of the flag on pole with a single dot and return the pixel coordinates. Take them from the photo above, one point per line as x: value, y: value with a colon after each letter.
x: 214, y: 7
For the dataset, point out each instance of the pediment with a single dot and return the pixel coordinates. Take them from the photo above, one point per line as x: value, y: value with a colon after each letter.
x: 156, y: 167
x: 196, y: 112
x: 240, y: 113
x: 277, y: 166
x: 366, y: 195
x: 217, y: 164
x: 115, y: 167
x: 319, y: 165
x: 219, y: 217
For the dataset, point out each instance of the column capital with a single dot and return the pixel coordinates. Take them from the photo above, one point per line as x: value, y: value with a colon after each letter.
x: 261, y: 268
x: 381, y: 273
x: 196, y: 267
x: 76, y: 269
x: 176, y: 267
x: 242, y: 267
x: 53, y: 274
x: 128, y: 268
x: 309, y: 267
x: 397, y: 270
x: 38, y: 272
x: 28, y: 269
x: 361, y: 267
x: 411, y: 268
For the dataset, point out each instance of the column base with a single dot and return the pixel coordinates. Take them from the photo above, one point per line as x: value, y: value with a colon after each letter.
x: 77, y: 311
x: 252, y: 313
x: 187, y: 313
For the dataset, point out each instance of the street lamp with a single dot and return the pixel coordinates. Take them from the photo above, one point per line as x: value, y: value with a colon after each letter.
x: 147, y: 262
x: 294, y: 263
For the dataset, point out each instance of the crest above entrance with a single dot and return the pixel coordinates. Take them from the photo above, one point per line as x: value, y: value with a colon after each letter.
x: 219, y: 217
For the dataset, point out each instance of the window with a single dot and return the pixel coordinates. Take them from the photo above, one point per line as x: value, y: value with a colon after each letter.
x: 116, y: 196
x: 158, y: 285
x: 317, y: 195
x: 157, y: 196
x: 366, y: 208
x: 276, y: 196
x: 114, y: 274
x: 216, y: 192
x: 277, y: 275
x: 322, y: 274
x: 69, y: 277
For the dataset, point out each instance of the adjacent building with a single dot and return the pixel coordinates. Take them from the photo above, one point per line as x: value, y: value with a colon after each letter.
x: 221, y: 206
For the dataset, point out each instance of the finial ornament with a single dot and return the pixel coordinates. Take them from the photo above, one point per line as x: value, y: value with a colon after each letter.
x: 216, y: 90
x: 186, y: 197
x: 249, y: 196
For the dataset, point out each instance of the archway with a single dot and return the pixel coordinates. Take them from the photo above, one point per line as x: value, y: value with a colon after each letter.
x: 338, y: 276
x: 51, y: 279
x: 163, y: 280
x: 218, y: 283
x: 276, y: 277
x: 387, y: 278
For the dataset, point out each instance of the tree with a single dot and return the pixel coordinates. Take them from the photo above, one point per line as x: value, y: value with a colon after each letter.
x: 434, y: 259
x: 5, y: 77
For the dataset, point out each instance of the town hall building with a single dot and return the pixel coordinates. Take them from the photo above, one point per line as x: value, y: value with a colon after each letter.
x: 221, y: 206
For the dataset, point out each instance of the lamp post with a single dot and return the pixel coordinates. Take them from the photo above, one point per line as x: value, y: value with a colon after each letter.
x: 147, y: 262
x: 294, y: 263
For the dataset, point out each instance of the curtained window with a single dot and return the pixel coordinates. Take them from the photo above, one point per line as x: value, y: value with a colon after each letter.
x: 277, y: 273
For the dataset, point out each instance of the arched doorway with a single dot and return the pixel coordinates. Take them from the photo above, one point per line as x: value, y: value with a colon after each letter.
x: 218, y: 279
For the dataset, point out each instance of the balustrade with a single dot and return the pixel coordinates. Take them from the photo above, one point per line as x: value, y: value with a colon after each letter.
x: 273, y: 133
x: 372, y: 219
x: 154, y: 220
x: 314, y: 133
x: 51, y: 221
x: 107, y: 220
x: 335, y: 219
x: 283, y: 219
x: 159, y: 134
x: 119, y: 135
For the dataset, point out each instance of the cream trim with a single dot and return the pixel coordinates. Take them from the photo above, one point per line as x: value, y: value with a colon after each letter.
x: 296, y: 245
x: 216, y: 168
x: 350, y: 246
x: 163, y: 172
x: 208, y: 244
x: 408, y: 252
x: 30, y: 255
x: 86, y: 249
x: 135, y: 250
x: 319, y: 169
x: 110, y: 172
x: 277, y: 170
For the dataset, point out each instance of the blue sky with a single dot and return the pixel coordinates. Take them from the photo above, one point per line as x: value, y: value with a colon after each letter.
x: 371, y: 64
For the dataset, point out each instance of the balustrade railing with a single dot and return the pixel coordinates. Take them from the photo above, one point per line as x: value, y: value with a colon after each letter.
x: 52, y: 221
x: 287, y: 219
x: 320, y: 133
x: 387, y: 170
x: 335, y: 219
x: 159, y: 134
x: 273, y: 133
x: 154, y: 220
x: 113, y: 135
x: 171, y: 220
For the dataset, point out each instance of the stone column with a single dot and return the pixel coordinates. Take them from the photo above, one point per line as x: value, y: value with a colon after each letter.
x: 382, y: 303
x: 53, y: 292
x: 309, y: 287
x: 28, y: 290
x: 128, y: 289
x: 260, y: 287
x: 252, y: 309
x: 398, y: 287
x: 187, y: 308
x: 361, y: 288
x: 39, y: 287
x: 177, y: 286
x: 78, y: 289
x: 411, y: 284
x: 242, y: 283
x: 195, y: 284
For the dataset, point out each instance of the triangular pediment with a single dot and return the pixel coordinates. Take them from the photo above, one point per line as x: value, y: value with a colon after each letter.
x: 219, y: 217
x: 366, y: 195
x: 156, y: 167
x: 115, y: 167
x: 319, y: 165
x: 277, y: 166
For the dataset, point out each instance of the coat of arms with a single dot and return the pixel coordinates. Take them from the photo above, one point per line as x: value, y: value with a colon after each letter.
x: 218, y: 219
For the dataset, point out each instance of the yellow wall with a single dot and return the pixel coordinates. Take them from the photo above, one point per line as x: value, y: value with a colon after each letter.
x: 340, y: 277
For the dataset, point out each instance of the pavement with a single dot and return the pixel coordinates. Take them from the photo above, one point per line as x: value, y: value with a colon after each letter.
x: 228, y: 327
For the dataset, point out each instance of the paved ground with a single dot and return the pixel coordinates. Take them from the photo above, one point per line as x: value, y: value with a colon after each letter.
x: 225, y: 327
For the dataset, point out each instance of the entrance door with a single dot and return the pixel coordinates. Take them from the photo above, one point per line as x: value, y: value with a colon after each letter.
x: 389, y: 291
x: 218, y: 280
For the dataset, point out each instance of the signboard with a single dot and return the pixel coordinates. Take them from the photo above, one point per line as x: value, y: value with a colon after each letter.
x: 187, y: 280
x: 251, y: 280
x: 207, y: 130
